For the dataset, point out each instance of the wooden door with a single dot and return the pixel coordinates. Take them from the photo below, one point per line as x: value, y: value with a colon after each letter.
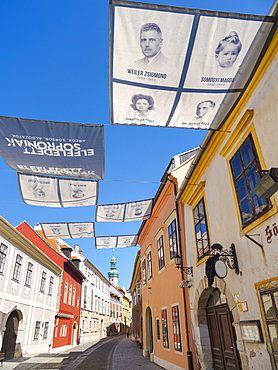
x: 222, y: 336
x: 9, y: 340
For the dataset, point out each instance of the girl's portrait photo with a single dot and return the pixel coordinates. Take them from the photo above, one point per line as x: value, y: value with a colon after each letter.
x: 142, y: 104
x: 227, y: 50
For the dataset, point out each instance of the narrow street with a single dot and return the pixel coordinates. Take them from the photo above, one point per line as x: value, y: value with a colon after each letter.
x: 110, y: 353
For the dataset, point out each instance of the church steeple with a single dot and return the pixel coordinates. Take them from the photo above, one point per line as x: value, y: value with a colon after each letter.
x: 113, y: 273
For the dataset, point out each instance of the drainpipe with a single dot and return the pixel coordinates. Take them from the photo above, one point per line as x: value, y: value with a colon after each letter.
x: 189, y: 352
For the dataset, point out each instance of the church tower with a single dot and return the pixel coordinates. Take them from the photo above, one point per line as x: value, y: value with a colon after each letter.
x: 113, y: 273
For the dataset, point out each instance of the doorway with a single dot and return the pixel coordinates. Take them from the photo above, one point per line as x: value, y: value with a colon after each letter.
x: 222, y: 334
x: 74, y: 334
x: 10, y: 336
x: 149, y: 331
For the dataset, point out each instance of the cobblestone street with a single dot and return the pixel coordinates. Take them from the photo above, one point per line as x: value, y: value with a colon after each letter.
x: 111, y: 353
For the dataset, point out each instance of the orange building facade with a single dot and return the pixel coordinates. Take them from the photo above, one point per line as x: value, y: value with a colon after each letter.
x: 165, y: 309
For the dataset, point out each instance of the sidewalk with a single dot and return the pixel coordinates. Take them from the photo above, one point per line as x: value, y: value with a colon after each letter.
x: 54, y: 359
x: 128, y: 356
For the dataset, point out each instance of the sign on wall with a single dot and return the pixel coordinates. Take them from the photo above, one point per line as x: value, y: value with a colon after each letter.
x: 175, y: 67
x: 64, y: 230
x: 53, y: 148
x: 122, y: 241
x: 57, y: 192
x: 122, y: 212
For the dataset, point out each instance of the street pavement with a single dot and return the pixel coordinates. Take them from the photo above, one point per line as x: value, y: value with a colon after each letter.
x: 110, y: 353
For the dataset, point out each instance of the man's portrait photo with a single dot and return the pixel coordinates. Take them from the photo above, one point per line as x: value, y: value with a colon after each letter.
x: 151, y: 42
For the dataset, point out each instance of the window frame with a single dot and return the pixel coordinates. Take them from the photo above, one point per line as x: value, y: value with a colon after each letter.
x: 43, y: 282
x: 51, y: 286
x: 164, y: 324
x: 17, y: 268
x: 144, y: 272
x: 157, y: 329
x: 149, y: 265
x: 176, y: 327
x: 171, y: 231
x: 205, y: 250
x: 270, y: 320
x: 70, y: 294
x: 3, y: 257
x: 29, y: 273
x: 45, y: 330
x: 37, y: 330
x: 243, y: 173
x: 66, y: 291
x: 160, y: 252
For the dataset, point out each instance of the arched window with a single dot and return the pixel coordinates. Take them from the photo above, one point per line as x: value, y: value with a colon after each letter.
x: 66, y: 291
x: 70, y: 293
x: 73, y: 295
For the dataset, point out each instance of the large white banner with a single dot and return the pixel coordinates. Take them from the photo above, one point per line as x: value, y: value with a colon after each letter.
x: 102, y: 242
x: 53, y: 148
x: 64, y: 230
x: 122, y: 212
x: 175, y: 66
x: 57, y: 192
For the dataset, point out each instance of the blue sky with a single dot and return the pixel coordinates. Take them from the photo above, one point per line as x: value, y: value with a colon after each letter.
x: 54, y: 66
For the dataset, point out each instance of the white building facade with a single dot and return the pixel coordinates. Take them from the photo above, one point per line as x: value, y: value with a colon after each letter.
x: 95, y: 299
x: 235, y: 313
x: 29, y: 285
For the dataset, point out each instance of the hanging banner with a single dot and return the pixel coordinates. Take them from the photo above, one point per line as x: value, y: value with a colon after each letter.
x: 131, y: 211
x: 102, y: 242
x: 53, y: 148
x: 64, y: 230
x: 175, y: 67
x: 57, y: 192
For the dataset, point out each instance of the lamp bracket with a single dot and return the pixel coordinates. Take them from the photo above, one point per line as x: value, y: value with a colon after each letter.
x: 187, y: 270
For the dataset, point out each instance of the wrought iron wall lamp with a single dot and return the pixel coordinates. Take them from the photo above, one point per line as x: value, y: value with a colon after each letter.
x: 187, y: 270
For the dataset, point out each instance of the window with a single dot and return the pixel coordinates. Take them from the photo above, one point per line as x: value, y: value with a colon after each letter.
x: 29, y: 274
x: 70, y: 293
x: 164, y: 328
x: 269, y: 298
x: 51, y: 283
x: 173, y: 246
x: 73, y: 295
x: 201, y: 229
x: 17, y: 268
x: 45, y: 331
x: 160, y: 252
x: 37, y: 330
x: 66, y: 291
x: 245, y: 165
x: 176, y: 328
x: 3, y: 255
x: 77, y: 302
x: 92, y: 299
x: 43, y: 282
x: 144, y: 271
x: 149, y: 262
x: 85, y: 297
x: 157, y: 330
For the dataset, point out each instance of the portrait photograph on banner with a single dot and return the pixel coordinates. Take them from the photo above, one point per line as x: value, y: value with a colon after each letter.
x: 122, y: 212
x: 53, y: 148
x: 163, y: 57
x: 49, y: 191
x: 102, y: 242
x: 64, y: 230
